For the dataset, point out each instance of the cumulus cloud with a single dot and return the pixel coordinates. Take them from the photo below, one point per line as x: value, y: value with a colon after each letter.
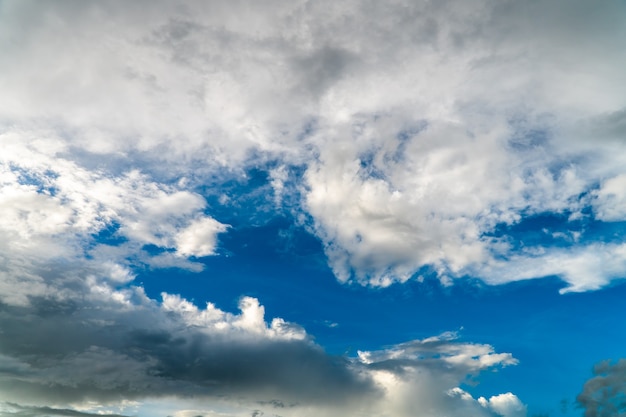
x: 506, y: 405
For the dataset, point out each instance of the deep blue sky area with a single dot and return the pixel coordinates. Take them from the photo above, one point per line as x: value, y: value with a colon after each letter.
x: 550, y: 334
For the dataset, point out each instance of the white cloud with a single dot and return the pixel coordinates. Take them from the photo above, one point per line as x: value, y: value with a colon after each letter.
x: 506, y: 405
x: 583, y: 268
x: 610, y: 199
x: 54, y: 208
x: 199, y: 238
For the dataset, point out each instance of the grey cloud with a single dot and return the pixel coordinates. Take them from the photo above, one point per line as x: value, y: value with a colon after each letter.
x: 86, y: 348
x: 604, y: 395
x: 18, y: 410
x: 323, y: 68
x: 72, y: 351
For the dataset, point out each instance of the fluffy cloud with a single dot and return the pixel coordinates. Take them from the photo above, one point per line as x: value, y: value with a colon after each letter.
x: 413, y: 154
x: 610, y: 199
x: 506, y: 405
x: 55, y: 209
x: 584, y: 268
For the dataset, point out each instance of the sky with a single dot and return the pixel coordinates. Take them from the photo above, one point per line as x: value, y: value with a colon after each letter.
x: 312, y: 208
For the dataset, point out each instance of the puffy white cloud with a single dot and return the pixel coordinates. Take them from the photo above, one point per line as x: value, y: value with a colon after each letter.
x: 199, y: 238
x: 610, y: 199
x: 506, y: 405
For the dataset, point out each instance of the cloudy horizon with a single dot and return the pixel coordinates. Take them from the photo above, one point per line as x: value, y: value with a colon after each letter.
x: 312, y: 208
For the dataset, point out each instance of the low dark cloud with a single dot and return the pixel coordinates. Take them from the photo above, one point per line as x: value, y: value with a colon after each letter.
x: 74, y: 352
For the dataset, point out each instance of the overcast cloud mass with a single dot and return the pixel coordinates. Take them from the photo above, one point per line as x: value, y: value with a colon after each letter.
x: 412, y: 140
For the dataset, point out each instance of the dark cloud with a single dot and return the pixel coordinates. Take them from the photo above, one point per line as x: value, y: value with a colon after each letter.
x: 604, y: 395
x: 75, y: 352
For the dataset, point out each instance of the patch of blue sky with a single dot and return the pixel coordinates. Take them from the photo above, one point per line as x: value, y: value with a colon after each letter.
x: 248, y: 197
x: 109, y: 235
x: 558, y: 230
x: 369, y: 169
x: 40, y: 180
x: 544, y: 229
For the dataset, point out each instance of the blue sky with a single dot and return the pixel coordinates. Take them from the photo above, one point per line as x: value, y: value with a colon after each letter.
x: 353, y: 208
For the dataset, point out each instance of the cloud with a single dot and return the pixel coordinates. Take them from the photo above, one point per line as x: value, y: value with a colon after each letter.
x: 506, y: 405
x: 54, y: 349
x: 610, y: 198
x: 199, y: 238
x: 603, y: 395
x: 413, y: 156
x: 10, y: 409
x: 105, y: 346
x: 584, y: 268
x: 417, y: 378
